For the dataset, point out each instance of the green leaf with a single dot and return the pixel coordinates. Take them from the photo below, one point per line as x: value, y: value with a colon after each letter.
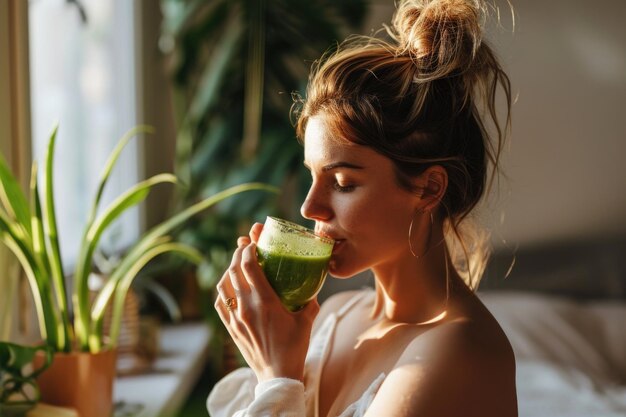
x: 154, y: 238
x: 122, y: 288
x: 19, y: 387
x: 12, y: 197
x: 103, y: 298
x: 39, y: 245
x: 115, y: 154
x: 163, y: 295
x: 14, y: 358
x: 131, y: 197
x: 53, y: 251
x: 190, y: 211
x: 39, y: 284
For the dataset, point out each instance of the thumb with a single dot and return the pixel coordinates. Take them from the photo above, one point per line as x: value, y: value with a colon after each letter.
x: 311, y: 310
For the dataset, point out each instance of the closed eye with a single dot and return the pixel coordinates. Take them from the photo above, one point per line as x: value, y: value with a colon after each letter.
x: 343, y: 188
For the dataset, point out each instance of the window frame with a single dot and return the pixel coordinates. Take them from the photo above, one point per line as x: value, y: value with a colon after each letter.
x: 15, y: 145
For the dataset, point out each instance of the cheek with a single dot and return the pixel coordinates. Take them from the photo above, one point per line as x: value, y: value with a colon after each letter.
x: 376, y: 228
x: 381, y: 218
x: 386, y: 235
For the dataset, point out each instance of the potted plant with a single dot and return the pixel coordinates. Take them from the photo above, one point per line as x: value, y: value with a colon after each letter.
x: 28, y: 228
x: 18, y: 387
x: 233, y: 66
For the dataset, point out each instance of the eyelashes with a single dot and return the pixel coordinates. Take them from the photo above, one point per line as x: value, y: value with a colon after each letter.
x: 343, y: 188
x: 337, y: 186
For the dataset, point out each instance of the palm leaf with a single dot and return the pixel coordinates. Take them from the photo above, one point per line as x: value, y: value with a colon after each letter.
x: 216, y: 69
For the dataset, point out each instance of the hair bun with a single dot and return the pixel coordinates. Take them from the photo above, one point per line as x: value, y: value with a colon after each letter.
x: 442, y: 36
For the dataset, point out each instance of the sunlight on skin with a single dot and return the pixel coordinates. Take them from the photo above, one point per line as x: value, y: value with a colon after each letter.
x: 374, y: 333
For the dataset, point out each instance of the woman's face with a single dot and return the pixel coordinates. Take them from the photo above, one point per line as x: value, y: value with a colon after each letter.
x: 355, y: 199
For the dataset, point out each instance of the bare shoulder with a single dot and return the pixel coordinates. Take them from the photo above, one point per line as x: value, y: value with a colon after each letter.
x: 469, y: 340
x: 461, y: 367
x: 334, y: 303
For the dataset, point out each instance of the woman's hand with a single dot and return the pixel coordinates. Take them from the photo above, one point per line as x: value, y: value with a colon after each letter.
x: 272, y: 340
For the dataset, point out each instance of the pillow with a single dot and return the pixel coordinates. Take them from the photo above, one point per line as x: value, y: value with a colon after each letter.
x: 562, y: 331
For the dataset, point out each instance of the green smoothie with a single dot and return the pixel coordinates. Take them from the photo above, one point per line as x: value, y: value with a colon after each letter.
x: 296, y: 279
x: 294, y: 260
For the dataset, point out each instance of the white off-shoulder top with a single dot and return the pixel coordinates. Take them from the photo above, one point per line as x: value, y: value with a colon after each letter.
x: 239, y: 395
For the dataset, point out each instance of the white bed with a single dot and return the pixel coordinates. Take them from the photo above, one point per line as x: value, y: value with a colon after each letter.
x: 563, y: 308
x: 570, y: 355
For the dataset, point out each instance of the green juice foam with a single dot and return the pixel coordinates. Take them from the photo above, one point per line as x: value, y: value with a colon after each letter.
x: 294, y: 260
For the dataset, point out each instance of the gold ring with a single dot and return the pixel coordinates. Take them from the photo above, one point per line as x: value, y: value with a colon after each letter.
x: 231, y: 303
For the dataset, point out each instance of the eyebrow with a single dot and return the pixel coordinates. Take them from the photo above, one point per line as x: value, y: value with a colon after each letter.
x: 335, y: 165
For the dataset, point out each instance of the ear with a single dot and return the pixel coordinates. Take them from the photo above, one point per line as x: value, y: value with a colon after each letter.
x: 433, y: 183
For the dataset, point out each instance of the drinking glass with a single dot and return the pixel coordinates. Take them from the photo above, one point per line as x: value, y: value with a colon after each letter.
x: 294, y: 260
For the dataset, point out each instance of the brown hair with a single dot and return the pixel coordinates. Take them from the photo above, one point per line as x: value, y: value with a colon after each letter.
x: 419, y: 98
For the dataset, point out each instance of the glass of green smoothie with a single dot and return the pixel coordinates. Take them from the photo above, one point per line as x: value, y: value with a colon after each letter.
x: 294, y: 260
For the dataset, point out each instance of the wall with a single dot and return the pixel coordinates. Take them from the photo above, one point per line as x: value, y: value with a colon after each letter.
x: 155, y: 109
x: 566, y: 175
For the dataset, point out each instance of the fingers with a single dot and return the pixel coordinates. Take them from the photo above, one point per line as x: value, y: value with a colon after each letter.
x: 236, y: 280
x: 220, y: 307
x: 225, y: 288
x: 235, y: 328
x: 243, y: 241
x: 255, y: 232
x: 311, y: 310
x: 254, y: 274
x: 236, y: 274
x: 253, y: 235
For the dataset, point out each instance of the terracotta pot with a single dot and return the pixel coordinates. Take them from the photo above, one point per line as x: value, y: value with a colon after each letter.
x: 80, y: 380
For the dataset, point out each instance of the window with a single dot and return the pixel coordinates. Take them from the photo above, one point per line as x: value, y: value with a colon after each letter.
x: 82, y: 66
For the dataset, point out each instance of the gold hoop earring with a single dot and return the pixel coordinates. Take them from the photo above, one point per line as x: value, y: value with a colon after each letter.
x: 430, y: 233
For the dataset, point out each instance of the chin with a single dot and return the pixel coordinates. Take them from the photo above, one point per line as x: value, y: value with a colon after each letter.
x: 343, y: 271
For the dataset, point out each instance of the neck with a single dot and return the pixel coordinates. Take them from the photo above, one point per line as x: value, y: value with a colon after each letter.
x: 416, y: 290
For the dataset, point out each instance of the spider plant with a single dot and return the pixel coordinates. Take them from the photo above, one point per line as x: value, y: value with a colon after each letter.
x: 28, y: 228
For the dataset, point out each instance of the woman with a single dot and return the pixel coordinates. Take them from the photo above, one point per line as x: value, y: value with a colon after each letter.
x: 399, y: 155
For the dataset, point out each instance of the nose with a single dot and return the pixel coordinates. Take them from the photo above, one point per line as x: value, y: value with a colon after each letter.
x: 316, y: 206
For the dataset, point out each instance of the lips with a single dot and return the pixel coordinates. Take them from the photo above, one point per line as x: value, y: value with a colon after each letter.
x: 329, y: 234
x: 324, y: 233
x: 338, y: 245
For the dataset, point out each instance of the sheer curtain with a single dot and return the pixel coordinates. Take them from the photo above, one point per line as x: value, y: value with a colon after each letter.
x: 82, y: 61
